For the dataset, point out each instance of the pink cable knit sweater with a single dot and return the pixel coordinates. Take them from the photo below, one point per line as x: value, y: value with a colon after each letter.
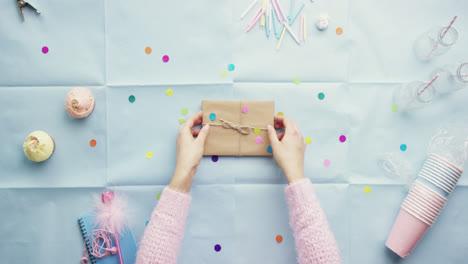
x: 315, y: 243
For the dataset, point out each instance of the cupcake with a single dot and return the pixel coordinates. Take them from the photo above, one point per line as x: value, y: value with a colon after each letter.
x: 79, y: 102
x: 38, y: 146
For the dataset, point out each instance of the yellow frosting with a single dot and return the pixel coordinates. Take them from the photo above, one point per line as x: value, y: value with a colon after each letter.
x: 38, y: 146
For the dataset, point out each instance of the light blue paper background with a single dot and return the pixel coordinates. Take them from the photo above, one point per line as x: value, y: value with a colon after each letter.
x: 238, y: 202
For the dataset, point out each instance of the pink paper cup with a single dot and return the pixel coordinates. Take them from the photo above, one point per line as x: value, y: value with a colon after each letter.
x: 406, y: 233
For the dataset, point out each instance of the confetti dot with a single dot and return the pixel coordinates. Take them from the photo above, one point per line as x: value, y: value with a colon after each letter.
x: 257, y: 130
x: 147, y: 50
x: 169, y: 92
x: 279, y: 114
x: 279, y: 239
x: 269, y: 149
x: 45, y: 50
x: 326, y: 163
x: 231, y: 67
x: 297, y: 81
x: 147, y: 222
x: 131, y: 98
x: 223, y: 74
x: 165, y: 58
x: 321, y: 96
x: 394, y: 108
x: 184, y: 111
x: 212, y: 116
x: 245, y: 109
x: 158, y: 196
x: 214, y: 158
x: 308, y: 140
x: 278, y: 165
x: 367, y: 189
x: 217, y: 248
x: 339, y: 31
x: 403, y: 147
x: 259, y: 140
x: 342, y: 138
x: 149, y: 154
x: 181, y: 120
x: 92, y: 143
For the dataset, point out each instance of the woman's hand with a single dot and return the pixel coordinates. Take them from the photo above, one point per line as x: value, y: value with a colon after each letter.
x: 288, y: 148
x: 189, y: 153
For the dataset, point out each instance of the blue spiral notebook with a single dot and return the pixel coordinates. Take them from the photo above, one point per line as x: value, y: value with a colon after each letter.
x: 127, y: 243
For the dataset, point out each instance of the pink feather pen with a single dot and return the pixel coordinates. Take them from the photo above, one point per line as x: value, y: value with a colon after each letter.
x: 110, y: 216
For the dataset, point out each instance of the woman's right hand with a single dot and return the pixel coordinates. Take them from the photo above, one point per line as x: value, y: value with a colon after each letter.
x: 288, y: 148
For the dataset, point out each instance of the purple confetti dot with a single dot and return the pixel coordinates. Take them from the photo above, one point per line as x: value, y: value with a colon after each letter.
x: 165, y: 58
x: 342, y: 138
x: 45, y: 50
x: 214, y: 158
x: 217, y: 248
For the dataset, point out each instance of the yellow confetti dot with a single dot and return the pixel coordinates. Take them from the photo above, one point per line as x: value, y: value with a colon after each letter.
x: 223, y: 74
x: 149, y: 154
x: 257, y: 130
x: 308, y: 140
x: 394, y: 108
x: 367, y: 189
x: 339, y: 31
x: 169, y: 92
x: 280, y: 114
x: 181, y: 120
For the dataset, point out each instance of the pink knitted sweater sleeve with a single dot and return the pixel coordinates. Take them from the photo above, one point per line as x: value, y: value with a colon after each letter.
x: 315, y: 243
x: 163, y: 236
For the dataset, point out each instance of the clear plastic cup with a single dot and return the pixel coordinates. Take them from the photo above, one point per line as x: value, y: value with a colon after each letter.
x: 432, y: 44
x: 411, y: 96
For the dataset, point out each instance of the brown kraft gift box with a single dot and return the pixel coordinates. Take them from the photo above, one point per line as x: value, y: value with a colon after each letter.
x: 226, y: 139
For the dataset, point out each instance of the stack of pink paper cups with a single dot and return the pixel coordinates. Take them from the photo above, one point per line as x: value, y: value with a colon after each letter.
x: 423, y: 204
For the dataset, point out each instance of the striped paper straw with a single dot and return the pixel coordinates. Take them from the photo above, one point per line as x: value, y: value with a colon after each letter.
x: 422, y: 91
x: 443, y: 35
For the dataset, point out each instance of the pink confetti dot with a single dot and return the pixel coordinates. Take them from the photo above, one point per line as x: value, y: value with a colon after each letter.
x: 342, y: 138
x: 245, y: 109
x: 45, y: 50
x: 326, y: 163
x: 165, y: 58
x: 259, y: 140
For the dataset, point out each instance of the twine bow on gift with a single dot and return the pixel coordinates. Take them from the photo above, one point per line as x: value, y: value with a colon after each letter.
x: 243, y: 129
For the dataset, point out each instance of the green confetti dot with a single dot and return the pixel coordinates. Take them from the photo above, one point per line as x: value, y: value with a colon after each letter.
x: 278, y: 165
x: 321, y: 96
x: 181, y: 120
x: 131, y: 98
x: 184, y: 111
x: 297, y: 81
x: 223, y: 74
x: 158, y: 196
x: 394, y: 108
x: 257, y: 130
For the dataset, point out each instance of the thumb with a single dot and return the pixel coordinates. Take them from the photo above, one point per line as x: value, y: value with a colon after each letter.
x: 273, y: 136
x: 201, y: 138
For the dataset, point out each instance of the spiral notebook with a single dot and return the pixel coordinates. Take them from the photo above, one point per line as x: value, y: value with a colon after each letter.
x: 127, y: 243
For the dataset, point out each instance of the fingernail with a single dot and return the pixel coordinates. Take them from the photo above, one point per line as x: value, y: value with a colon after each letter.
x: 269, y: 127
x: 207, y: 126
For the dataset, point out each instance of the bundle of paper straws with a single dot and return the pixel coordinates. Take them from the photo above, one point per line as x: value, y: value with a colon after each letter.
x: 267, y: 20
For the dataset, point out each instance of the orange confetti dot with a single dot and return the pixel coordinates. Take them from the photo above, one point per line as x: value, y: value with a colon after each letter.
x: 339, y: 31
x: 148, y: 50
x: 280, y: 114
x: 279, y: 238
x: 92, y: 143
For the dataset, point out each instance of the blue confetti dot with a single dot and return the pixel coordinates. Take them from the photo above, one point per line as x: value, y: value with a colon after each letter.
x: 403, y: 147
x: 212, y: 116
x: 147, y: 222
x: 269, y: 149
x: 231, y: 67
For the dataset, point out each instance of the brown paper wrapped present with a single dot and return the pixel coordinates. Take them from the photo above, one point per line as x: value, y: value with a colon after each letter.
x: 237, y: 127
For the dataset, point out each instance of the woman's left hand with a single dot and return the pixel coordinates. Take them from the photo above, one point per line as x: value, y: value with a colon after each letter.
x: 189, y: 153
